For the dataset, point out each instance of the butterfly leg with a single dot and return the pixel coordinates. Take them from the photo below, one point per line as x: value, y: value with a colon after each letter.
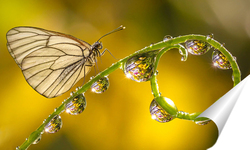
x: 109, y: 53
x: 96, y: 65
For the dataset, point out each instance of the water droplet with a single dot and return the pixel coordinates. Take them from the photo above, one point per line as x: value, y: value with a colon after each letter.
x: 101, y: 85
x: 17, y: 148
x: 220, y: 61
x: 158, y: 113
x: 77, y: 88
x: 38, y: 139
x: 55, y: 109
x: 233, y: 78
x: 151, y: 45
x: 210, y: 36
x: 76, y: 105
x: 234, y: 58
x: 156, y: 72
x: 91, y: 77
x: 121, y: 66
x: 167, y: 37
x: 54, y: 125
x: 182, y: 58
x: 160, y: 94
x: 181, y: 112
x: 140, y: 67
x: 202, y: 122
x: 197, y: 47
x: 180, y: 51
x: 71, y: 93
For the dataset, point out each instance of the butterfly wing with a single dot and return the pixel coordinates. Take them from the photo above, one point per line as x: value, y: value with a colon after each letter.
x: 51, y: 62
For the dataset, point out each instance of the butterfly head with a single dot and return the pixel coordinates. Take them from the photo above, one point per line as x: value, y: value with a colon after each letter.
x: 95, y: 48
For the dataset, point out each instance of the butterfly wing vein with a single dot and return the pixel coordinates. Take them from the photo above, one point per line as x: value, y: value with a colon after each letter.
x: 51, y: 62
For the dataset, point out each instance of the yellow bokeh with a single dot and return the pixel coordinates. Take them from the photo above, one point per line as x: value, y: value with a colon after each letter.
x: 119, y: 118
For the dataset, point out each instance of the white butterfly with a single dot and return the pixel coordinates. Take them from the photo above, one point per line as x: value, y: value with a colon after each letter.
x: 52, y: 62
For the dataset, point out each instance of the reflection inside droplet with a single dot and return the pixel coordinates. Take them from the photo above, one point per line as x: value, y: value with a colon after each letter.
x: 197, y: 47
x: 140, y: 67
x: 101, y: 85
x: 158, y: 113
x: 76, y: 105
x: 220, y: 61
x: 54, y: 125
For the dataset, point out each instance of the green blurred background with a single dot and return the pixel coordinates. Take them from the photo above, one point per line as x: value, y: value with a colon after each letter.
x: 120, y: 118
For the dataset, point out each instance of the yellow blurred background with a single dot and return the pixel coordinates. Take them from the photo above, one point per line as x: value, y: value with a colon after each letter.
x: 120, y: 118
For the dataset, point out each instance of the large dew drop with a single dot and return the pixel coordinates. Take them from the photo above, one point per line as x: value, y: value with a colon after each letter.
x: 76, y: 105
x: 101, y: 85
x: 197, y: 47
x: 140, y: 67
x: 220, y: 61
x: 54, y: 125
x: 158, y: 113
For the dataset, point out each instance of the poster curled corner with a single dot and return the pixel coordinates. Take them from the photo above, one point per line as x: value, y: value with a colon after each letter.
x: 230, y: 114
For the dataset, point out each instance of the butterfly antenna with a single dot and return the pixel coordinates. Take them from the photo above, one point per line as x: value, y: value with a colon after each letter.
x: 115, y: 30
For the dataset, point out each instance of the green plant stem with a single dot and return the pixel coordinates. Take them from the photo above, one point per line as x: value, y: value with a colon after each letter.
x: 182, y: 39
x: 216, y: 45
x: 187, y: 116
x: 164, y: 46
x: 153, y: 81
x: 154, y: 86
